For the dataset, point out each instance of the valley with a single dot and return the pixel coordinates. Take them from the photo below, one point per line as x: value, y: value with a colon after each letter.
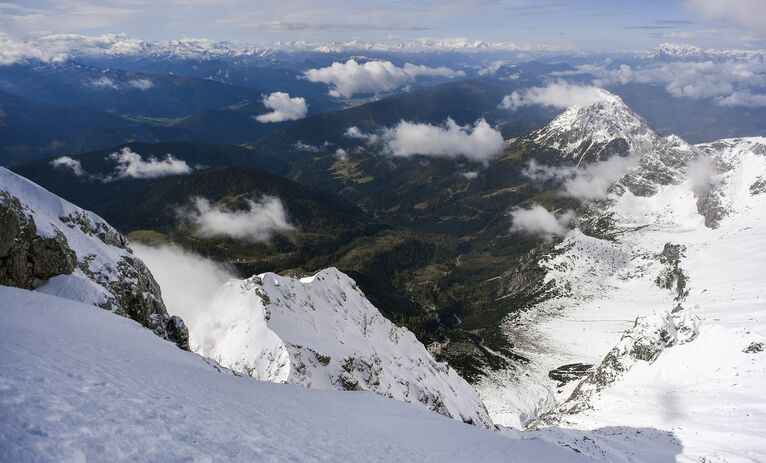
x: 421, y: 250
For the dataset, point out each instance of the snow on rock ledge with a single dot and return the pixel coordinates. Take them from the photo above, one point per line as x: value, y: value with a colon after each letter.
x: 322, y: 332
x: 51, y: 245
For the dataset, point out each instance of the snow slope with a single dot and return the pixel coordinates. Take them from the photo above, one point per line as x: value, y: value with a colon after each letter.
x: 80, y: 384
x: 665, y: 313
x: 322, y: 332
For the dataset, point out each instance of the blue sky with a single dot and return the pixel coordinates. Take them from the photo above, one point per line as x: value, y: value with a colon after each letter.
x: 586, y: 24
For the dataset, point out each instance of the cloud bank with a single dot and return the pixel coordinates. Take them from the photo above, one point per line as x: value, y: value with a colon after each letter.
x: 257, y: 224
x: 749, y: 13
x: 557, y: 94
x: 538, y: 221
x: 588, y: 183
x: 729, y: 82
x: 351, y: 78
x: 283, y: 108
x: 189, y: 282
x: 130, y: 165
x: 480, y: 142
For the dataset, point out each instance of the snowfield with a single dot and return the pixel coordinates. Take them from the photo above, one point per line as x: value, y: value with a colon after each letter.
x: 318, y: 332
x: 78, y: 383
x: 692, y: 363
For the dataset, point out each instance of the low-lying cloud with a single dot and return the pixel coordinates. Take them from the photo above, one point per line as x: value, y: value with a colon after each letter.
x: 479, y: 142
x: 538, y: 221
x: 103, y: 82
x: 591, y: 182
x: 130, y: 165
x: 189, y: 282
x: 141, y: 84
x: 283, y: 108
x: 351, y: 78
x: 70, y: 164
x: 559, y: 94
x: 257, y: 224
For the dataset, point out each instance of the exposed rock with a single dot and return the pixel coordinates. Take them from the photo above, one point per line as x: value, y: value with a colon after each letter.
x: 673, y: 277
x: 753, y: 348
x: 759, y: 186
x: 177, y: 332
x: 568, y: 373
x: 25, y: 257
x: 50, y: 245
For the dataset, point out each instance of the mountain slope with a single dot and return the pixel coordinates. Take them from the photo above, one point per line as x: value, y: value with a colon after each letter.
x: 66, y: 366
x: 661, y: 307
x: 322, y: 332
x: 596, y: 131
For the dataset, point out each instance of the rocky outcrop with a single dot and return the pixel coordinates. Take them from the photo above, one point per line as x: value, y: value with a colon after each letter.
x: 672, y: 276
x: 26, y: 259
x: 644, y: 342
x: 322, y: 332
x: 52, y: 246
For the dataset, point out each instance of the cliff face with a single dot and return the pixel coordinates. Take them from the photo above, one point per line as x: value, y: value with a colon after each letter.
x: 52, y: 246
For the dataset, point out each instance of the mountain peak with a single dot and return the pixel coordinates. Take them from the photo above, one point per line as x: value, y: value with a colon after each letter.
x: 587, y: 133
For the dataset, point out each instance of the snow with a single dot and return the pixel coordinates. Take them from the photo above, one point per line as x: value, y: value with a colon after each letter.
x: 78, y: 383
x: 319, y: 332
x: 704, y: 390
x: 83, y: 231
x: 584, y: 131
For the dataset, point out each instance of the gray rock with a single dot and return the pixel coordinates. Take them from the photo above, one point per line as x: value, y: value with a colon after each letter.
x: 25, y: 257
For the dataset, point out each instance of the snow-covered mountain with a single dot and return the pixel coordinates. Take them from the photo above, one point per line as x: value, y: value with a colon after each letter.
x: 656, y: 317
x: 682, y: 51
x: 595, y: 131
x: 61, y: 47
x: 54, y: 247
x: 322, y: 332
x: 80, y: 384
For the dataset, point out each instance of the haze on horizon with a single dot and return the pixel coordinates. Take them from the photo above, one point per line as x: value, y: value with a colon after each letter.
x: 580, y: 24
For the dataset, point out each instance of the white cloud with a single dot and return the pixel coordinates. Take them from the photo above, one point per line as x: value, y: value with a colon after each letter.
x: 103, y: 82
x: 744, y: 98
x: 355, y: 132
x: 589, y: 183
x: 300, y: 146
x: 479, y: 143
x: 141, y: 84
x: 749, y: 13
x: 728, y: 82
x: 593, y: 181
x: 258, y: 224
x: 557, y: 94
x: 67, y: 163
x: 470, y: 175
x: 351, y: 78
x: 189, y: 282
x: 130, y: 164
x: 538, y: 221
x: 341, y: 155
x: 283, y: 108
